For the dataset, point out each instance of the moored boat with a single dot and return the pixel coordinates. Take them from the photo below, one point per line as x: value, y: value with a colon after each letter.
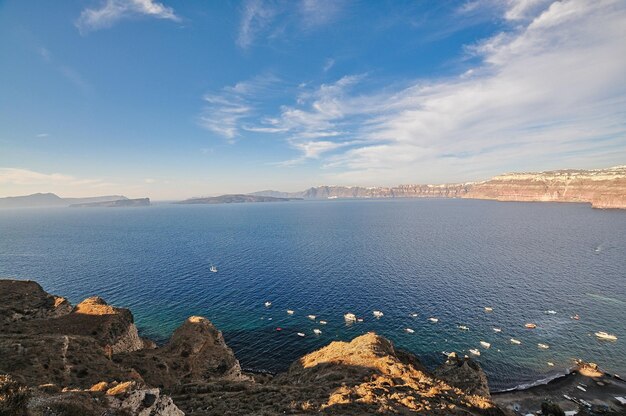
x: 530, y: 326
x: 311, y: 317
x: 474, y: 351
x: 605, y: 335
x: 463, y: 328
x: 515, y: 341
x: 485, y: 344
x: 377, y: 314
x: 349, y: 317
x: 433, y: 320
x: 543, y: 346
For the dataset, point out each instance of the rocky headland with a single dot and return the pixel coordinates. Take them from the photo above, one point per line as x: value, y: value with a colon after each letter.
x: 602, y: 188
x: 88, y: 359
x: 234, y: 199
x: 119, y: 203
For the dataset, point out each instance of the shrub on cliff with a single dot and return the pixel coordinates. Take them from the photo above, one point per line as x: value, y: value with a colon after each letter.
x: 13, y: 396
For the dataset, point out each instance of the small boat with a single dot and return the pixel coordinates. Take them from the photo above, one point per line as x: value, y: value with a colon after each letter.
x: 349, y: 317
x: 317, y: 331
x: 414, y: 315
x: 550, y: 364
x: 463, y: 328
x: 323, y: 322
x: 446, y: 353
x: 377, y: 314
x: 279, y: 329
x: 359, y: 319
x: 581, y: 388
x: 543, y: 346
x: 300, y: 334
x: 433, y: 320
x: 530, y: 326
x: 515, y: 341
x: 474, y: 351
x: 311, y: 317
x: 213, y: 269
x: 289, y: 312
x: 485, y: 344
x: 268, y: 304
x: 605, y: 335
x: 550, y: 312
x: 497, y: 330
x: 488, y: 309
x: 576, y: 317
x: 409, y: 330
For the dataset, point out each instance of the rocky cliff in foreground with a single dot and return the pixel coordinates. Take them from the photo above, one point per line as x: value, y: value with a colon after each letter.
x: 89, y: 360
x: 59, y: 360
x: 602, y: 188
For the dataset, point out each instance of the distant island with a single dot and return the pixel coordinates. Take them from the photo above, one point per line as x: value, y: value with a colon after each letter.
x: 139, y: 202
x: 602, y: 188
x: 52, y: 200
x: 235, y: 199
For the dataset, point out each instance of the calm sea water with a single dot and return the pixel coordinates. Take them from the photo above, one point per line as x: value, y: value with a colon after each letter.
x: 434, y: 257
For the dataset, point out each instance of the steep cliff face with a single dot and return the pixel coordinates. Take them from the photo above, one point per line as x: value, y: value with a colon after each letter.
x: 603, y: 188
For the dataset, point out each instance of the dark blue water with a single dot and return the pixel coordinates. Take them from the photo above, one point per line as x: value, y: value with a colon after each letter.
x: 444, y: 258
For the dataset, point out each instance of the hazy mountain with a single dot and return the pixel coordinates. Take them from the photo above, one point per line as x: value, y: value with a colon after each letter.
x: 51, y: 200
x: 233, y: 199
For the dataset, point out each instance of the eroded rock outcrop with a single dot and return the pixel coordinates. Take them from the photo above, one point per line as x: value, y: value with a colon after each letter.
x: 90, y: 361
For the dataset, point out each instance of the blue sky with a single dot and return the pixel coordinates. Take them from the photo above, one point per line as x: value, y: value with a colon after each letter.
x: 173, y: 99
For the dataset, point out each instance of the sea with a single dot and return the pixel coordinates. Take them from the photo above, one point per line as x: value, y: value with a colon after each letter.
x: 412, y: 259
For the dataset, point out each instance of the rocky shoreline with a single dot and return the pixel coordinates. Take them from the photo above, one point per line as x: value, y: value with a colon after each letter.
x: 88, y: 359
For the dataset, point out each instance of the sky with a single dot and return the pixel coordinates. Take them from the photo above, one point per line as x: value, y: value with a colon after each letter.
x: 173, y: 99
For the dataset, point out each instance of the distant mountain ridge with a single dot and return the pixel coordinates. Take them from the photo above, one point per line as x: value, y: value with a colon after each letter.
x: 52, y: 200
x: 602, y: 188
x: 234, y: 199
x: 139, y: 202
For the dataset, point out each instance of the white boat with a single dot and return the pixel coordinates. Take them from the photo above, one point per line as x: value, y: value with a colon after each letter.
x: 550, y: 363
x: 213, y: 269
x: 323, y: 322
x: 317, y: 331
x: 311, y: 317
x: 377, y: 314
x: 515, y: 341
x: 474, y: 351
x: 300, y: 334
x: 414, y: 315
x: 605, y: 335
x: 268, y: 304
x: 409, y: 330
x: 543, y: 346
x: 581, y: 388
x: 530, y: 326
x: 359, y: 319
x: 488, y: 309
x: 289, y: 312
x: 485, y: 344
x: 463, y: 328
x: 433, y: 320
x: 497, y: 330
x: 349, y: 317
x: 550, y: 312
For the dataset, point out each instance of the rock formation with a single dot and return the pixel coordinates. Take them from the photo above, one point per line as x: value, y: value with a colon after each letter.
x: 89, y: 360
x: 602, y: 188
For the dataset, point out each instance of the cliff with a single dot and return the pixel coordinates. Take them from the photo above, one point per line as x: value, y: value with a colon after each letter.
x: 89, y: 360
x: 602, y: 188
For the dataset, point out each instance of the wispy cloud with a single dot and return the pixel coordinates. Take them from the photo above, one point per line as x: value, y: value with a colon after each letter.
x: 112, y: 11
x: 42, y: 135
x: 277, y: 19
x: 68, y: 72
x: 255, y: 18
x: 18, y: 176
x: 548, y: 92
x: 226, y: 110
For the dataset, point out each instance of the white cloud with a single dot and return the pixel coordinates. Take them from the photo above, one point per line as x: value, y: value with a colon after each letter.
x: 113, y: 11
x: 328, y: 64
x: 256, y: 17
x: 225, y: 110
x: 548, y: 93
x: 278, y: 20
x: 26, y: 177
x: 42, y: 135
